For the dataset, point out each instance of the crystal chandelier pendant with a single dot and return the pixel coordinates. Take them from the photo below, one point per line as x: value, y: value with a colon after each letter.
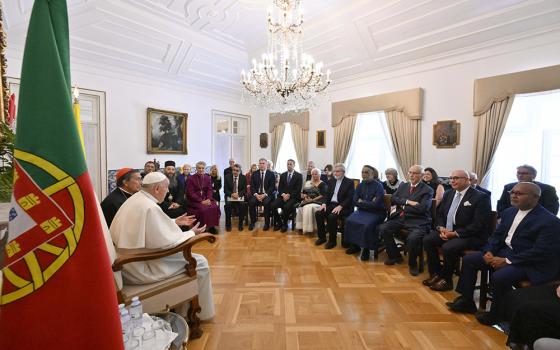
x: 285, y: 79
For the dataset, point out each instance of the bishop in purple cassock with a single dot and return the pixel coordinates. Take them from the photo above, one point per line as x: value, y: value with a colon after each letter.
x: 200, y: 201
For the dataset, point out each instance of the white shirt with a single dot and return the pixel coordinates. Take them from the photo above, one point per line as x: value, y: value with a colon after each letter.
x: 336, y: 188
x: 521, y: 214
x: 462, y: 194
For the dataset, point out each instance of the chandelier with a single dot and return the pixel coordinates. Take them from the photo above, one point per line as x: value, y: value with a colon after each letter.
x: 285, y: 79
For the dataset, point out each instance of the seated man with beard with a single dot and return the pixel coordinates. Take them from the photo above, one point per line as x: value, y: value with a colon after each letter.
x: 174, y: 203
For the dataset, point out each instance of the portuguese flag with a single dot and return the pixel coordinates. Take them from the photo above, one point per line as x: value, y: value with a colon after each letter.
x: 57, y: 289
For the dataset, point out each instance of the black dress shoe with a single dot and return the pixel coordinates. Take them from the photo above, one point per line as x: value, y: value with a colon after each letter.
x: 429, y: 281
x: 276, y: 228
x: 266, y: 227
x: 487, y: 318
x: 353, y: 250
x: 365, y: 254
x: 413, y: 270
x: 442, y: 285
x: 228, y: 228
x: 213, y: 230
x: 251, y: 227
x: 345, y: 244
x: 330, y: 245
x: 284, y: 229
x: 456, y: 300
x: 240, y: 228
x: 320, y: 241
x: 464, y: 306
x: 390, y: 261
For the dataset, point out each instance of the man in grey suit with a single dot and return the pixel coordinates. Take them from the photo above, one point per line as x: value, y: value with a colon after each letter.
x: 411, y: 210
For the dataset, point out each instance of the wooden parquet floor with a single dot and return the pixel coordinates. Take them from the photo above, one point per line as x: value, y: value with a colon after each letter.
x: 277, y: 290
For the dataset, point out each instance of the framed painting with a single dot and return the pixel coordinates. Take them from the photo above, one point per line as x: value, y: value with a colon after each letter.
x: 321, y: 141
x: 446, y: 134
x: 167, y: 131
x: 263, y: 140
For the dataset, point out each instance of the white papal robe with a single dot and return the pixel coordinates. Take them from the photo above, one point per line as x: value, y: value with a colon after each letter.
x: 140, y: 223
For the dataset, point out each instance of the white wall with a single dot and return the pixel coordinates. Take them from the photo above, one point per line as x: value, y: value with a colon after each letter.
x: 126, y: 103
x: 448, y: 94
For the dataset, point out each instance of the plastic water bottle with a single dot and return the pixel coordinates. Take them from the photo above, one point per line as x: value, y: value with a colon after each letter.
x: 136, y: 313
x: 125, y: 322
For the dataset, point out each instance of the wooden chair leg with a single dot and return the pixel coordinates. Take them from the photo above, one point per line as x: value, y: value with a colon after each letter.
x: 195, y: 331
x: 483, y: 289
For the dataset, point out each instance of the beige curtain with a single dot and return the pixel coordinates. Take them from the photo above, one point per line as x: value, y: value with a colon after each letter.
x: 491, y: 125
x: 300, y: 137
x: 276, y: 140
x: 405, y: 137
x: 343, y: 135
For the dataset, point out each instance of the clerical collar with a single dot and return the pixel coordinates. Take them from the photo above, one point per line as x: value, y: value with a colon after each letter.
x: 125, y: 191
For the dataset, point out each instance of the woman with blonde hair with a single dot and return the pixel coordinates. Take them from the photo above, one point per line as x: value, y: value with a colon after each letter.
x: 216, y: 183
x: 311, y: 199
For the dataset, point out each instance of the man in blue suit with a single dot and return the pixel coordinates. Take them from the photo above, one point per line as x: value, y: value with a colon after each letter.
x: 527, y: 173
x: 525, y: 246
x: 263, y: 188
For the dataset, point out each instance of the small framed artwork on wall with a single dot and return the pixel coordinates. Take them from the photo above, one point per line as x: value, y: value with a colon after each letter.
x: 263, y: 140
x: 167, y: 131
x: 321, y: 139
x: 446, y: 134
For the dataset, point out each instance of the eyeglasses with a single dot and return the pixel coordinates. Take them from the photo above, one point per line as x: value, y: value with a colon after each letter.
x: 524, y: 173
x: 516, y: 193
x: 414, y: 172
x: 455, y: 178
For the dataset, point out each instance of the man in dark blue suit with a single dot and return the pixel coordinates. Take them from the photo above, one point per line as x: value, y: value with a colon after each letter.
x: 337, y: 203
x: 289, y: 194
x: 263, y: 188
x: 412, y: 204
x: 473, y: 178
x: 462, y: 222
x: 526, y: 173
x: 525, y: 246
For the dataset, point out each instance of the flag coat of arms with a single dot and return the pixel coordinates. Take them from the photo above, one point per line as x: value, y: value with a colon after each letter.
x: 57, y: 289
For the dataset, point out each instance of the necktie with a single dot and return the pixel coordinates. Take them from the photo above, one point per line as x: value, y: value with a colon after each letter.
x: 262, y: 182
x: 452, y: 210
x: 235, y: 185
x: 289, y: 177
x: 411, y: 189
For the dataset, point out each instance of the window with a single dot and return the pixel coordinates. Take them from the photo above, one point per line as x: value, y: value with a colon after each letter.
x: 531, y: 136
x: 370, y: 145
x: 286, y: 151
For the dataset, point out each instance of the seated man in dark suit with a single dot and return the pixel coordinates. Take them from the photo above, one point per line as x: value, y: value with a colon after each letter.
x: 174, y: 204
x: 263, y: 188
x: 526, y: 173
x: 235, y: 189
x: 289, y: 195
x: 473, y: 178
x: 413, y: 201
x: 525, y: 246
x: 462, y: 223
x: 338, y: 203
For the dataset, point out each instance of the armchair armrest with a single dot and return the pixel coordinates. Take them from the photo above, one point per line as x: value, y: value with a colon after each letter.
x: 125, y: 256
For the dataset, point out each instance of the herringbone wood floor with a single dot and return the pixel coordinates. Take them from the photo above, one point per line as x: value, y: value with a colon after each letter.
x: 279, y: 291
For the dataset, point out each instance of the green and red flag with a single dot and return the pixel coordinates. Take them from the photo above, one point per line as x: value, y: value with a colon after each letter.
x: 57, y: 289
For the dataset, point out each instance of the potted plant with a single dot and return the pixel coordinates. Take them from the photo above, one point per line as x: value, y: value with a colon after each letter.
x: 7, y: 139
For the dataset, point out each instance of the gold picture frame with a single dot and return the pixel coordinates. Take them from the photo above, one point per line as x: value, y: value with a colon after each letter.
x: 321, y: 139
x: 447, y: 134
x: 167, y: 131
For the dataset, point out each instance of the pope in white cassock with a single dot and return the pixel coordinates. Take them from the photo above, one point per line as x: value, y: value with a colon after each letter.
x: 140, y: 223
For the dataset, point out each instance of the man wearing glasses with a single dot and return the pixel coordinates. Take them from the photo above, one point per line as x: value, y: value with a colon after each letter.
x: 525, y: 246
x: 526, y: 173
x: 411, y: 211
x: 462, y: 222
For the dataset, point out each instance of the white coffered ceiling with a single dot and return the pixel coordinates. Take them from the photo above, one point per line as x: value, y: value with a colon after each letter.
x: 205, y: 43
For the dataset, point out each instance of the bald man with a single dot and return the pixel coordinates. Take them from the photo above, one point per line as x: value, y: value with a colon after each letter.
x: 525, y: 246
x: 462, y: 222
